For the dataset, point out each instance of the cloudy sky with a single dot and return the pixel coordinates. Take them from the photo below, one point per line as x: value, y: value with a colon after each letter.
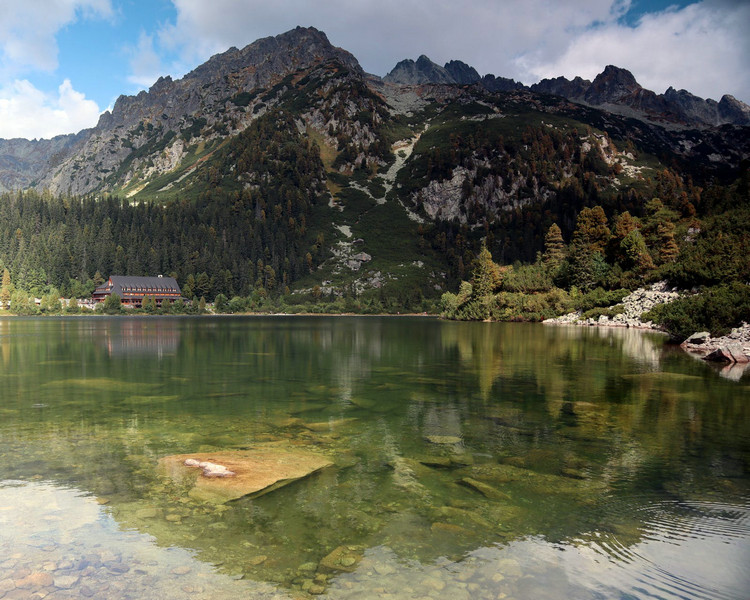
x: 63, y: 62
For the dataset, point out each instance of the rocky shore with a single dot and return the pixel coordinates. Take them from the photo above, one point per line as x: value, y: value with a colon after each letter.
x: 732, y: 349
x: 633, y: 306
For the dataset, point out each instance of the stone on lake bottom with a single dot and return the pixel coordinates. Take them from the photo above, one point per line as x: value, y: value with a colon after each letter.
x: 445, y: 440
x: 256, y: 472
x: 486, y: 490
x: 65, y: 582
x: 342, y: 558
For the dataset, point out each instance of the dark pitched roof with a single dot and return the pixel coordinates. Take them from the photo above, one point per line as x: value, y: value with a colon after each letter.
x: 124, y: 285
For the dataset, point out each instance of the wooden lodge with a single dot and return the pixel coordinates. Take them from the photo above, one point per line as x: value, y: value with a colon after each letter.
x: 133, y: 290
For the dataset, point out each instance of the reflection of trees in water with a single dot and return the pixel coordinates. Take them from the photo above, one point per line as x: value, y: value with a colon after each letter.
x: 570, y: 422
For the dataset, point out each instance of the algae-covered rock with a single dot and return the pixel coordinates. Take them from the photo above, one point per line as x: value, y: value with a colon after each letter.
x: 464, y: 518
x: 485, y: 489
x: 450, y: 528
x: 343, y: 558
x: 328, y: 425
x: 444, y: 440
x: 255, y: 472
x: 436, y: 461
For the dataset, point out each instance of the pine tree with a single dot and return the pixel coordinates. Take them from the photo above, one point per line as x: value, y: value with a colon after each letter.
x: 591, y: 233
x: 486, y: 275
x: 554, y: 247
x: 634, y: 248
x: 5, y: 290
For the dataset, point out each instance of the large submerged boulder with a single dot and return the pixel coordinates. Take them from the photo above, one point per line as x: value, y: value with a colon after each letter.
x: 236, y: 474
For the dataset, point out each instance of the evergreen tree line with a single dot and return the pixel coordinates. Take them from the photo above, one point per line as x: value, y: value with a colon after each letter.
x: 701, y: 250
x: 246, y: 231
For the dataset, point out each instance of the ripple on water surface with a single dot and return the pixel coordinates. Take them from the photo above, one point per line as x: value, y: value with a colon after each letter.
x: 56, y: 539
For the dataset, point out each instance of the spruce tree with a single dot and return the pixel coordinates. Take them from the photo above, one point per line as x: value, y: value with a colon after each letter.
x: 5, y: 290
x: 485, y: 277
x: 554, y: 246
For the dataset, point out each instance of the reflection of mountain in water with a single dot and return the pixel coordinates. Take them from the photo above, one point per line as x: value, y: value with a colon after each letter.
x: 464, y: 453
x: 140, y: 337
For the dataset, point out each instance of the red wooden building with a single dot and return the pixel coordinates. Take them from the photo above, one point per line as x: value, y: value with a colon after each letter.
x: 132, y: 290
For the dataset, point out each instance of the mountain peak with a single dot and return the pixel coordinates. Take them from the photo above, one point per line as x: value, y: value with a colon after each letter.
x: 295, y: 49
x: 461, y: 72
x: 408, y: 72
x: 611, y: 85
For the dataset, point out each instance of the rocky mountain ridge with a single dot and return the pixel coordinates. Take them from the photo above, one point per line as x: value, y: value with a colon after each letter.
x: 177, y: 124
x: 149, y: 133
x: 424, y: 71
x: 613, y: 89
x: 617, y: 88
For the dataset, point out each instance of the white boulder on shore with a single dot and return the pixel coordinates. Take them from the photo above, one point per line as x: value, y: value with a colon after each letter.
x: 635, y: 304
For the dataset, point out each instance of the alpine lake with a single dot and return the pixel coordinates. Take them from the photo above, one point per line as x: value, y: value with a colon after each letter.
x: 463, y: 461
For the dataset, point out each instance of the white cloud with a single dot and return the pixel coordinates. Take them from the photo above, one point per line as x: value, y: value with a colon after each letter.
x: 27, y: 112
x: 28, y: 29
x: 702, y: 47
x: 486, y: 33
x: 145, y: 64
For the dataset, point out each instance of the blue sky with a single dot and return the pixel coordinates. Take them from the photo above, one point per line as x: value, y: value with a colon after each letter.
x: 63, y: 62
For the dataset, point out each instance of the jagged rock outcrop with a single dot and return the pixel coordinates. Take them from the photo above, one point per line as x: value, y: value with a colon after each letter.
x: 500, y: 84
x: 423, y: 71
x: 462, y: 73
x: 141, y: 127
x: 560, y: 86
x: 617, y: 87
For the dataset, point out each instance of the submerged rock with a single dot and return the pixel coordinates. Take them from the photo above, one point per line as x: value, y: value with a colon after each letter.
x: 256, y: 472
x: 444, y: 440
x: 343, y: 558
x: 485, y: 489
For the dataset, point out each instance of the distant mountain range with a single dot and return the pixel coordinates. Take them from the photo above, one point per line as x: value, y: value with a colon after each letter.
x: 150, y: 134
x: 614, y: 89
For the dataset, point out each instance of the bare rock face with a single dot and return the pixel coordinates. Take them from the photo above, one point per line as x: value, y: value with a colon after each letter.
x: 225, y: 476
x: 141, y: 127
x: 21, y: 161
x: 500, y: 84
x: 560, y: 86
x: 461, y: 72
x: 611, y: 85
x: 733, y: 111
x: 423, y: 71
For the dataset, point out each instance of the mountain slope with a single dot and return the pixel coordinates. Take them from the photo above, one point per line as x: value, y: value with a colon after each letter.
x: 21, y: 161
x: 284, y: 165
x: 149, y: 133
